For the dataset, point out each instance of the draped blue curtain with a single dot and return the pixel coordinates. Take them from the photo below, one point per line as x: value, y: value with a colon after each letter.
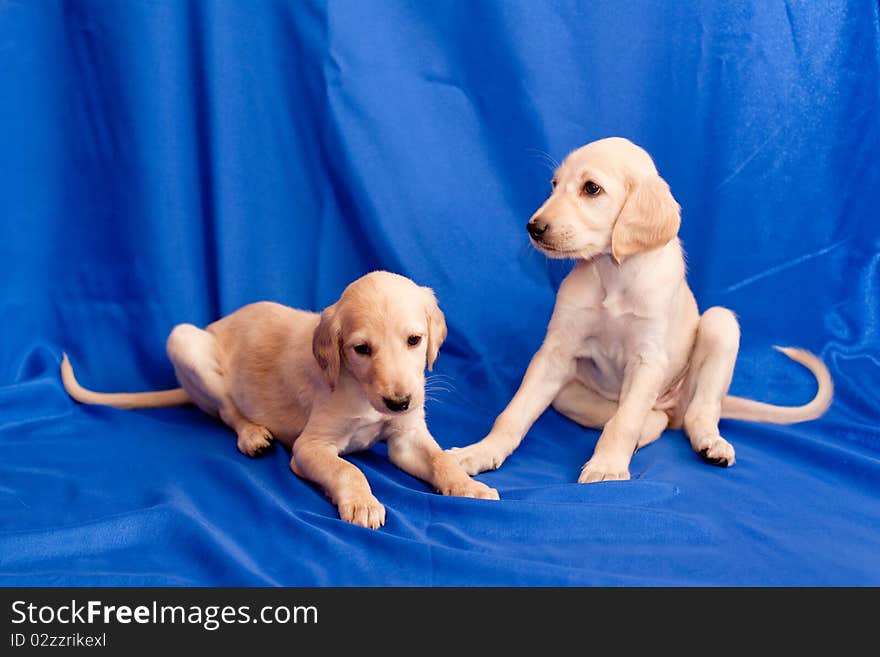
x: 169, y: 161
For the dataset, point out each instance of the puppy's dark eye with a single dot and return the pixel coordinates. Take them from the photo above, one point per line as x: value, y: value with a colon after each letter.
x: 363, y: 349
x: 553, y: 183
x: 413, y: 340
x: 591, y: 188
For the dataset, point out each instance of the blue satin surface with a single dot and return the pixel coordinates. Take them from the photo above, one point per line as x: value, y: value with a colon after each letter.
x: 170, y: 161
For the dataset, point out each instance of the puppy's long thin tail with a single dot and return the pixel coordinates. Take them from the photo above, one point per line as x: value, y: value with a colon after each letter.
x: 126, y: 400
x: 739, y: 408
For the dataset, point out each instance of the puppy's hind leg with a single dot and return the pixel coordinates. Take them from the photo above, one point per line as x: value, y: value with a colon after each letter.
x: 709, y: 376
x: 197, y: 363
x: 589, y: 409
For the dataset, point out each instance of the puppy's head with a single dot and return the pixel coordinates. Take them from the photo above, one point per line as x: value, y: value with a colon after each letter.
x: 607, y: 198
x: 383, y: 330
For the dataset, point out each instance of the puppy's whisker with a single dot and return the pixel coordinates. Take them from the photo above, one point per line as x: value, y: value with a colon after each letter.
x: 548, y: 160
x: 526, y: 250
x: 439, y: 382
x: 444, y: 380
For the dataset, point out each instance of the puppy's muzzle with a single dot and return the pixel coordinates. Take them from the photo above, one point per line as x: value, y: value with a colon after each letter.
x: 396, y: 404
x: 537, y: 229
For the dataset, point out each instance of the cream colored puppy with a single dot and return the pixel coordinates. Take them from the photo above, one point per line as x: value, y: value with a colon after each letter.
x: 324, y: 385
x: 626, y: 349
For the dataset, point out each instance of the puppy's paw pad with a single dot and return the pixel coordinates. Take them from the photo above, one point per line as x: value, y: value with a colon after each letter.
x: 604, y: 468
x: 717, y: 451
x: 254, y: 440
x: 474, y: 489
x: 366, y: 512
x: 477, y: 458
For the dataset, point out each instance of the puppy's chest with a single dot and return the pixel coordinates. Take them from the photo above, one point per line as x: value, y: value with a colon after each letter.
x: 362, y: 434
x: 602, y: 361
x: 605, y: 350
x: 607, y: 334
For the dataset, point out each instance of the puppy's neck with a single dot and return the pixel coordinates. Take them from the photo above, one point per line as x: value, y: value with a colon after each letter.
x: 642, y: 285
x: 666, y: 262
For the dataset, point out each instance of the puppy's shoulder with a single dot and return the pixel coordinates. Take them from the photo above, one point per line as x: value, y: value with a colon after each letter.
x: 268, y: 311
x: 262, y: 320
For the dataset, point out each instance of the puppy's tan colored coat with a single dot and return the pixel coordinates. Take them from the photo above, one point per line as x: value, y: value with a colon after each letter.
x: 626, y: 349
x: 324, y: 385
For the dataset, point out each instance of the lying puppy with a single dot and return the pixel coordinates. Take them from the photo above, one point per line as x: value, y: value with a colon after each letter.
x: 626, y: 349
x: 324, y: 385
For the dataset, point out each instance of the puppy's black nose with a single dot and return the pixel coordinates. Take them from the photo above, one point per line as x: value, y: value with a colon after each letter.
x: 397, y: 404
x: 536, y: 228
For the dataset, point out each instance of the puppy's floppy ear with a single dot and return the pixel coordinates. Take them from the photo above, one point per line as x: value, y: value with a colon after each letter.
x: 436, y: 326
x: 650, y: 217
x: 327, y: 345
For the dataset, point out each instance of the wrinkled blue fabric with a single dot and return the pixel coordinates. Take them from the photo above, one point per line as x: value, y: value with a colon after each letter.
x: 167, y: 162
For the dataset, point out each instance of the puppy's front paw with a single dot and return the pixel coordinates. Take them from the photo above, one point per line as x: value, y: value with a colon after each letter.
x: 478, y: 457
x: 364, y: 511
x: 470, y: 488
x: 254, y: 440
x: 604, y: 467
x: 715, y: 450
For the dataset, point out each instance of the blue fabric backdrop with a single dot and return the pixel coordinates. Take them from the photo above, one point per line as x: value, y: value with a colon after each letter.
x: 170, y: 161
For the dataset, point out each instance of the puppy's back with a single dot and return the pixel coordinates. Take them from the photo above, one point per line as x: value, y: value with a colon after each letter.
x: 266, y: 350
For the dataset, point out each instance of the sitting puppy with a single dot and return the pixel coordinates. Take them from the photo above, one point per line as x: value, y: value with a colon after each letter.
x: 324, y: 385
x: 626, y: 349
